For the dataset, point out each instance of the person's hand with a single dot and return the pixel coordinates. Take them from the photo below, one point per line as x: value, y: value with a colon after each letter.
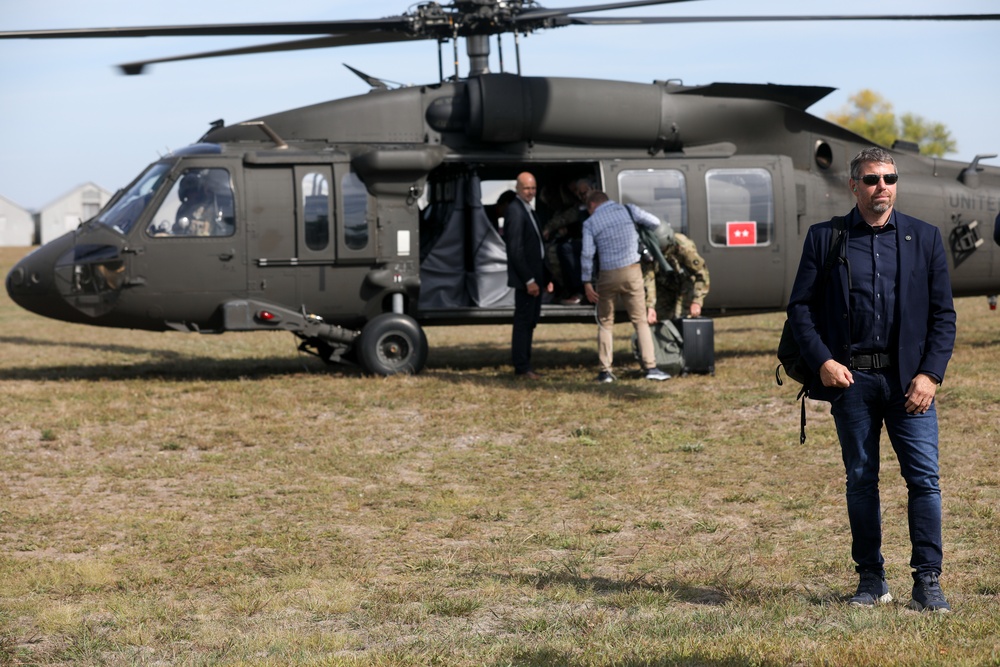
x: 590, y: 292
x: 920, y: 394
x: 695, y: 310
x: 835, y: 374
x: 533, y: 289
x: 550, y: 288
x: 651, y: 315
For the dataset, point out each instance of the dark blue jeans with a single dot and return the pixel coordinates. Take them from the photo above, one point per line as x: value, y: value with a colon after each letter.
x: 859, y: 413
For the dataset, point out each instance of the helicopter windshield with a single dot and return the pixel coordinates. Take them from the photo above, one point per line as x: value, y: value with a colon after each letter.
x: 126, y: 209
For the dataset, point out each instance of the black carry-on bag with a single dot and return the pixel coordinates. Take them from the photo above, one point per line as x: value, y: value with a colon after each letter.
x: 698, y: 334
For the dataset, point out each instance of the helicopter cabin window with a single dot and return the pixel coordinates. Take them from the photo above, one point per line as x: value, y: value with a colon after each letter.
x: 740, y: 207
x: 316, y: 210
x: 354, y: 195
x: 199, y: 204
x: 662, y: 192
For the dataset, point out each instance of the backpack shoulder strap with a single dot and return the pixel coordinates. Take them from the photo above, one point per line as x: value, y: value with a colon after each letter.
x: 839, y: 224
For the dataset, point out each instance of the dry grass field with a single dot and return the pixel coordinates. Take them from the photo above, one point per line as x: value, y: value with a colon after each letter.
x: 175, y: 499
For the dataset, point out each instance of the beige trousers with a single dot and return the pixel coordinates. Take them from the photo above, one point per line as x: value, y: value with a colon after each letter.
x: 627, y: 283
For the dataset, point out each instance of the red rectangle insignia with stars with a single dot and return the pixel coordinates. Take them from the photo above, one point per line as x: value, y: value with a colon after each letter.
x: 741, y: 233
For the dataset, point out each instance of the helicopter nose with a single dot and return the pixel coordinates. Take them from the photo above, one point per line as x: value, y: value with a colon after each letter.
x: 31, y: 284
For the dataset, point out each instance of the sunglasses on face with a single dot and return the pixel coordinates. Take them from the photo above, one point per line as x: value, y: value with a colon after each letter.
x: 872, y: 179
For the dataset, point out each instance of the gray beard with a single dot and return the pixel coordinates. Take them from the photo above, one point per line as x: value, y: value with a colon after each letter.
x: 880, y: 208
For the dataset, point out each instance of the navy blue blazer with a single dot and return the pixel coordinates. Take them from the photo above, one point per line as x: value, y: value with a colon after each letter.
x: 524, y: 248
x: 925, y: 310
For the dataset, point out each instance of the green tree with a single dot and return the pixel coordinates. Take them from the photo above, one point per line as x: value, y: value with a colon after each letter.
x: 872, y: 117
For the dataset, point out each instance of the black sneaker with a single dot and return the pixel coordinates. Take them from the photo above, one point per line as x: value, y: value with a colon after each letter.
x: 872, y: 590
x: 605, y: 376
x: 927, y: 594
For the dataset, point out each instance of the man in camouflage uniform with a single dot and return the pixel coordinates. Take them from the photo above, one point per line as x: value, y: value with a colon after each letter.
x: 681, y: 292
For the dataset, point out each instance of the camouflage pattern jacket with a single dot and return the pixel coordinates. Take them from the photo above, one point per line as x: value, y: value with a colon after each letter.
x: 672, y: 293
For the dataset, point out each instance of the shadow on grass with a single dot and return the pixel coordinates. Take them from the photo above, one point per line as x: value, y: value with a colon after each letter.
x: 181, y: 368
x: 483, y: 364
x: 173, y: 365
x: 96, y: 347
x: 545, y: 657
x: 673, y: 589
x: 480, y: 355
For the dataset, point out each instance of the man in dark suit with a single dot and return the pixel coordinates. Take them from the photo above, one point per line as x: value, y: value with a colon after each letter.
x: 878, y: 331
x: 526, y: 273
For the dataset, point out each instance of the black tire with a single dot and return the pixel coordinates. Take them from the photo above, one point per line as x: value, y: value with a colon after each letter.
x: 392, y: 343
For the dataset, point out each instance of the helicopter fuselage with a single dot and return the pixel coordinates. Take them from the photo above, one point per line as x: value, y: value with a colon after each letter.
x: 373, y: 209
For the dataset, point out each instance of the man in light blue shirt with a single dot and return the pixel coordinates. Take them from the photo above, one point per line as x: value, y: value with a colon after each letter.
x: 611, y: 232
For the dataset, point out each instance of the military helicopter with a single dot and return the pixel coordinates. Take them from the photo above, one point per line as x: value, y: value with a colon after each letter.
x: 355, y: 223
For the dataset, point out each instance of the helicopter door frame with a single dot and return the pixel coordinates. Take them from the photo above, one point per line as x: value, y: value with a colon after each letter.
x: 745, y: 187
x: 732, y: 188
x: 315, y: 240
x: 315, y: 214
x: 355, y: 228
x: 189, y: 274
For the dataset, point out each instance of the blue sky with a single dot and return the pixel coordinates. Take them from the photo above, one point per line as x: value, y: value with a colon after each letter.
x: 68, y: 117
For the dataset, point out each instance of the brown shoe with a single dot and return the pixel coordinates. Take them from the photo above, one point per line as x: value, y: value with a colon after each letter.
x: 530, y: 375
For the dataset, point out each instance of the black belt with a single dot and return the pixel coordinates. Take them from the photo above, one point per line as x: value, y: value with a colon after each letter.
x: 867, y: 362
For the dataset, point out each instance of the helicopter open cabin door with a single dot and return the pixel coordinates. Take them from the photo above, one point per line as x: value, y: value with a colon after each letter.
x: 192, y: 257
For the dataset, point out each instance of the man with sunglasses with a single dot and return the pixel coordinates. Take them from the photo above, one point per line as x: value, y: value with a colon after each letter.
x: 877, y: 328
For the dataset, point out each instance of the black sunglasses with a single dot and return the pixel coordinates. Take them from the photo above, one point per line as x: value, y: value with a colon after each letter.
x: 872, y: 179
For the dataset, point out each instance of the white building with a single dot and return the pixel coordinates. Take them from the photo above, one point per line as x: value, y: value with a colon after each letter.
x: 67, y: 212
x: 17, y: 226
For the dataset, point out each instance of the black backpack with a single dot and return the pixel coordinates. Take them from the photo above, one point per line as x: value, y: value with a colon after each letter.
x: 789, y: 354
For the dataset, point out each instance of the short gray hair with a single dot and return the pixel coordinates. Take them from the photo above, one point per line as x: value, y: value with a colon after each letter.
x: 872, y: 154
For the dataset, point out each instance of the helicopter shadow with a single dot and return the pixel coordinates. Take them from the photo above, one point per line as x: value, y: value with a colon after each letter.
x: 165, y: 365
x: 180, y: 368
x: 564, y: 370
x: 96, y: 347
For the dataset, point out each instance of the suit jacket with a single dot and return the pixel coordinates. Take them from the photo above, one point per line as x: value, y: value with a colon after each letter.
x: 925, y: 312
x: 524, y: 248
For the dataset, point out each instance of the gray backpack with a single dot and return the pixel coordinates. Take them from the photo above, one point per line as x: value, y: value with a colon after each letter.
x: 668, y: 346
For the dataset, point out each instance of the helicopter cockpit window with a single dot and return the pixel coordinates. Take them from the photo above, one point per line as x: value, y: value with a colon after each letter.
x: 354, y: 195
x: 316, y: 210
x: 740, y: 207
x: 199, y: 204
x: 127, y: 207
x: 662, y: 192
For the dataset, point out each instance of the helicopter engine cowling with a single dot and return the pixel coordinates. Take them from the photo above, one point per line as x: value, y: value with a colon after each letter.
x: 504, y: 108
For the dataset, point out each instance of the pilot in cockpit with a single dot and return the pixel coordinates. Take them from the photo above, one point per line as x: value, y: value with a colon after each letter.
x: 198, y: 213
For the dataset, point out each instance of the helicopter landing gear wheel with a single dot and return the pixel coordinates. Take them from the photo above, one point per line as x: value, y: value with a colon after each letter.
x: 392, y: 343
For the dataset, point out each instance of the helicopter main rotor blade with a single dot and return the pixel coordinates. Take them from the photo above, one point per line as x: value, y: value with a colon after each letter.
x: 295, y: 45
x: 392, y: 23
x: 431, y: 20
x: 555, y: 12
x: 651, y: 20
